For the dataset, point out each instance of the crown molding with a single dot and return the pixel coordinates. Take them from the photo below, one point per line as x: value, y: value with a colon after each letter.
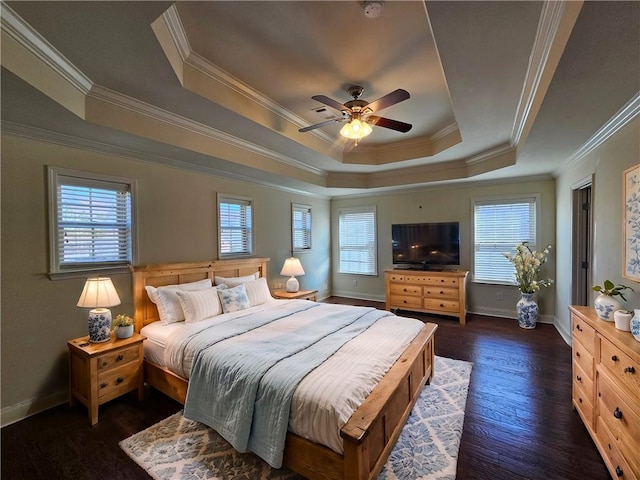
x: 624, y: 116
x: 70, y: 141
x: 26, y: 36
x: 548, y: 35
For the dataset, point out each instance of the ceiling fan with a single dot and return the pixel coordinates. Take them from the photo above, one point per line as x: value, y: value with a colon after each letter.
x: 359, y: 114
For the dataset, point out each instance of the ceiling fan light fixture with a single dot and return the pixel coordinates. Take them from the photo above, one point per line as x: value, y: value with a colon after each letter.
x: 356, y: 129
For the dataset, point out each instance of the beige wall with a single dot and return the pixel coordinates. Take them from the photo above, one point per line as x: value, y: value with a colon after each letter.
x: 177, y: 222
x: 447, y: 204
x: 605, y: 166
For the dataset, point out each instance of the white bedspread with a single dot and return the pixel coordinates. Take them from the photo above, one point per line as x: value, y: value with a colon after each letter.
x: 328, y: 396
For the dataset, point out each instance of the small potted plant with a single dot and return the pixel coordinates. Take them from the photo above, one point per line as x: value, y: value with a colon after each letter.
x: 606, y: 303
x: 123, y: 325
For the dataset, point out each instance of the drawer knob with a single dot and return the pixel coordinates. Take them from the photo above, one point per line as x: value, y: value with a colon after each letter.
x: 442, y: 304
x: 579, y: 378
x: 619, y: 471
x: 119, y: 380
x: 441, y: 292
x: 614, y: 358
x: 629, y: 370
x: 103, y: 385
x: 578, y: 354
x: 579, y: 328
x: 617, y: 413
x: 120, y: 358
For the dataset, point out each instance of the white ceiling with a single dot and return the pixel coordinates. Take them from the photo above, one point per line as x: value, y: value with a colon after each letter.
x: 499, y: 90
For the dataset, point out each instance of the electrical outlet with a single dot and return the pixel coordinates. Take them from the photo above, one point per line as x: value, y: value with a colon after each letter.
x: 355, y: 283
x: 278, y: 285
x: 499, y: 296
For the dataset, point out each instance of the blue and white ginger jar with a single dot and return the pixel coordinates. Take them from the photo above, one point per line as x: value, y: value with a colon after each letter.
x: 527, y: 310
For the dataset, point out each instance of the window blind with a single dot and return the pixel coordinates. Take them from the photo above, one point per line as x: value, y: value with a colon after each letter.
x: 500, y: 225
x: 357, y: 241
x: 301, y: 227
x: 235, y: 217
x: 93, y: 222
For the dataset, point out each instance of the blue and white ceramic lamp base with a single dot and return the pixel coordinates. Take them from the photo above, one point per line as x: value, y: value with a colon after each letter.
x: 99, y: 325
x: 635, y: 324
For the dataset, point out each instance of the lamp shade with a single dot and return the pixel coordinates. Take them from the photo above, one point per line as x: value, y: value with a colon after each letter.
x: 292, y: 267
x: 98, y: 292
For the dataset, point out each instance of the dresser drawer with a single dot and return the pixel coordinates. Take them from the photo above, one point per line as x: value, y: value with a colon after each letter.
x: 437, y: 292
x: 396, y: 278
x: 406, y: 301
x: 118, y: 357
x: 582, y: 380
x: 441, y: 305
x: 442, y: 281
x: 583, y: 358
x: 616, y: 412
x: 406, y: 289
x: 621, y: 367
x: 585, y: 334
x: 116, y: 381
x: 611, y: 451
x: 582, y: 402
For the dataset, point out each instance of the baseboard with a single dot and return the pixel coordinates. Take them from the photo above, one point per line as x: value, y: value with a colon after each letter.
x: 564, y: 333
x: 360, y: 296
x: 22, y: 410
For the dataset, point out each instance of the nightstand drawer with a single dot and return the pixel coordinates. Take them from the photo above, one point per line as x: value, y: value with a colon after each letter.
x: 119, y: 357
x: 116, y: 381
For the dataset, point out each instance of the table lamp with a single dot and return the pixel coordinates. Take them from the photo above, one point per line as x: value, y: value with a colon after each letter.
x: 99, y: 293
x: 292, y: 267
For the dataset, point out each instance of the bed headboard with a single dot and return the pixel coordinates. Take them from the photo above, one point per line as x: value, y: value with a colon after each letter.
x: 145, y: 311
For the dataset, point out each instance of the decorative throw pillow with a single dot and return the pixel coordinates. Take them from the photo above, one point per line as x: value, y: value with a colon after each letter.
x: 234, y: 299
x: 167, y: 301
x: 258, y: 291
x: 200, y: 304
x: 234, y: 281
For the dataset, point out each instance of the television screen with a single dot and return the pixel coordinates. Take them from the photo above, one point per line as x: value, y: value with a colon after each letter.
x: 426, y: 244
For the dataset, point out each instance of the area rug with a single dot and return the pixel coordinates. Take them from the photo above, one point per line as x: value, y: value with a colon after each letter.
x: 177, y: 448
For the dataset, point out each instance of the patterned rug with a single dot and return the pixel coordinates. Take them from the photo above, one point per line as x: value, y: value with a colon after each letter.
x: 177, y: 448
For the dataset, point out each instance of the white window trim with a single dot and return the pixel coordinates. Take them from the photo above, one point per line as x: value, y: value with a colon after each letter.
x: 225, y: 198
x: 301, y: 208
x: 498, y: 199
x: 55, y: 272
x: 368, y: 209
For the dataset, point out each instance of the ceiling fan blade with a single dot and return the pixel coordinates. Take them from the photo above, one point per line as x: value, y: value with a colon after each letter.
x: 331, y: 102
x: 321, y: 124
x: 389, y: 123
x: 389, y: 99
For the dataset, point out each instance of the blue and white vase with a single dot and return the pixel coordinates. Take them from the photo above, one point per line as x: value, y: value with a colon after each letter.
x: 635, y: 324
x: 605, y: 305
x: 527, y: 310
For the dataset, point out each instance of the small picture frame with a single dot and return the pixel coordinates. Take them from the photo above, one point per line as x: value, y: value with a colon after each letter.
x: 631, y: 223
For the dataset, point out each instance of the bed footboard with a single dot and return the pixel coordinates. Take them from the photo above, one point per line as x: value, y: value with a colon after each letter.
x: 374, y: 428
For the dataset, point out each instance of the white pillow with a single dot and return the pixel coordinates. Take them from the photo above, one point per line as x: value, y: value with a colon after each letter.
x: 258, y: 291
x: 234, y: 281
x: 167, y: 301
x: 199, y: 304
x: 234, y: 299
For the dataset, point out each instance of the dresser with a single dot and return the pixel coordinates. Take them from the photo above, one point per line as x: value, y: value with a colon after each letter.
x: 442, y: 293
x: 99, y: 372
x: 606, y: 389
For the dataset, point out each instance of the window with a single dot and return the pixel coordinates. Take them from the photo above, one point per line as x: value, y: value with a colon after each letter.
x: 301, y: 227
x: 235, y: 226
x: 91, y: 221
x: 357, y: 241
x: 500, y: 225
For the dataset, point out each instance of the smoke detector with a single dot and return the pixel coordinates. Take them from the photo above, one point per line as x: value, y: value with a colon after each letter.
x: 372, y: 8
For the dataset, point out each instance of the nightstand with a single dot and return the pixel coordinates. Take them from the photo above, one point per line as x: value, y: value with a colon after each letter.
x: 99, y: 372
x: 300, y: 294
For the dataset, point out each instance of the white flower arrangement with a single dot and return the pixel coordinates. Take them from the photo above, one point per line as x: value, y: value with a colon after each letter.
x: 527, y: 263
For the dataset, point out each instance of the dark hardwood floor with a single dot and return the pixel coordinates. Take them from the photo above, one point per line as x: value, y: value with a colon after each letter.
x: 519, y: 421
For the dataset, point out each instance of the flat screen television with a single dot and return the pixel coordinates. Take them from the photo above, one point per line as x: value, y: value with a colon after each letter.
x: 426, y: 244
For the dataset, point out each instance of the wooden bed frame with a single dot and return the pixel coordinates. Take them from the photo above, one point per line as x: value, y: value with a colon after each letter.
x: 372, y: 430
